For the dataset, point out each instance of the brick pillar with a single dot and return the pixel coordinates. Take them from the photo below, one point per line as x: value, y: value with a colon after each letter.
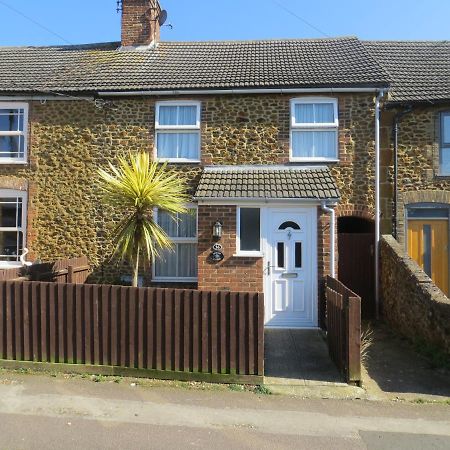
x: 140, y: 22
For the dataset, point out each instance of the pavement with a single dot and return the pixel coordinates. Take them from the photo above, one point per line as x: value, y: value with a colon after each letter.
x: 53, y: 412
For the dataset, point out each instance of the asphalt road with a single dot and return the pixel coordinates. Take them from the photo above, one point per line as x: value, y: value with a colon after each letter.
x: 40, y: 412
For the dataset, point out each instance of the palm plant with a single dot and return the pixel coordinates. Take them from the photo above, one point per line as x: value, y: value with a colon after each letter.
x: 135, y: 188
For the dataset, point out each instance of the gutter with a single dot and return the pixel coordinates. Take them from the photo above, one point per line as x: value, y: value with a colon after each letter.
x: 396, y: 127
x: 329, y: 209
x: 377, y: 202
x: 235, y: 91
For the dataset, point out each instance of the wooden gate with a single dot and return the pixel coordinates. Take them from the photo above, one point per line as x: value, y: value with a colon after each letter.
x: 344, y: 329
x: 357, y: 268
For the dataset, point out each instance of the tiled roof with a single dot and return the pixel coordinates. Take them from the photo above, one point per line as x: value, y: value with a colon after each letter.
x: 258, y: 182
x: 338, y: 62
x: 420, y: 71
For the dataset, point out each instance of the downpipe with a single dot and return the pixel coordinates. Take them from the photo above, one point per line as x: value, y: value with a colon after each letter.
x: 329, y: 209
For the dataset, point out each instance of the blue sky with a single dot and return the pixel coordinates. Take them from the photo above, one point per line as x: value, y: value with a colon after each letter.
x: 83, y: 21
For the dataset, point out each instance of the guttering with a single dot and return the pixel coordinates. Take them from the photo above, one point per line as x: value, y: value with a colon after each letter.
x: 236, y: 91
x: 332, y: 213
x: 377, y: 201
x: 41, y: 98
x: 235, y: 200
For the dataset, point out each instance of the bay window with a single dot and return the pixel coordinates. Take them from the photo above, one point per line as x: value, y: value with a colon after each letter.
x: 13, y: 132
x: 179, y: 263
x: 12, y: 226
x: 314, y: 129
x: 178, y: 131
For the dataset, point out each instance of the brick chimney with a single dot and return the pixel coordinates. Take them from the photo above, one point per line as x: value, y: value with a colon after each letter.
x: 140, y: 24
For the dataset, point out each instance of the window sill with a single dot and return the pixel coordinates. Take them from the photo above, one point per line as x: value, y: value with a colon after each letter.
x: 10, y: 265
x: 7, y: 161
x: 313, y: 160
x: 174, y: 280
x: 248, y: 255
x: 179, y: 161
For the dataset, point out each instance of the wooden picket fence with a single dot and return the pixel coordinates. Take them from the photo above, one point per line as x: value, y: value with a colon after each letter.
x: 344, y: 329
x: 68, y: 270
x: 165, y: 333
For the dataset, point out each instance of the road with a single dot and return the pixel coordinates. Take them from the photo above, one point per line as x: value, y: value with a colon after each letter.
x: 43, y: 412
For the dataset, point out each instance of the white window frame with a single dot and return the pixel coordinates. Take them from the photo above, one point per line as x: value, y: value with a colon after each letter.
x: 442, y: 144
x: 14, y: 194
x: 177, y: 240
x: 24, y: 133
x: 250, y: 253
x: 194, y: 129
x: 332, y: 126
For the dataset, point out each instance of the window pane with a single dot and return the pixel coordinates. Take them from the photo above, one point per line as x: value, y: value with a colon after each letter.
x: 429, y: 213
x: 325, y: 144
x: 10, y: 245
x: 427, y: 249
x: 11, y: 120
x: 166, y: 264
x: 188, y: 145
x: 304, y: 113
x: 166, y: 145
x: 11, y: 147
x: 167, y: 223
x: 250, y: 229
x: 10, y: 214
x: 187, y: 260
x: 324, y: 113
x: 318, y: 144
x: 168, y: 115
x: 446, y: 130
x: 187, y: 224
x: 445, y: 160
x: 298, y: 255
x: 187, y: 115
x: 280, y: 254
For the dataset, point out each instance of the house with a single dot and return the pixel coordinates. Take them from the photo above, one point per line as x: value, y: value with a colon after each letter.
x: 277, y: 138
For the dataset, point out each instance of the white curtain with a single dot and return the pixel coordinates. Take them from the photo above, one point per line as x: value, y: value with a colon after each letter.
x: 168, y: 115
x: 304, y: 113
x: 167, y: 223
x: 314, y: 113
x: 187, y: 260
x: 318, y: 144
x: 324, y: 113
x: 187, y: 115
x: 188, y: 145
x: 187, y: 224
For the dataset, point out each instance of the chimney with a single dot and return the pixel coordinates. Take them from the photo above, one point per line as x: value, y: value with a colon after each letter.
x: 140, y: 25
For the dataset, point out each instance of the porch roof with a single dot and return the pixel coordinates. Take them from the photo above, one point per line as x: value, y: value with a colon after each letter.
x: 266, y: 182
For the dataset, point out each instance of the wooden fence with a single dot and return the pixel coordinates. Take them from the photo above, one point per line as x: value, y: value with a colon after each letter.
x: 344, y: 329
x: 168, y: 333
x: 72, y: 270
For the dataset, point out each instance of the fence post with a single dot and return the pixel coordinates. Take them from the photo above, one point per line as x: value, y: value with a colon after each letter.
x: 70, y: 274
x: 354, y: 339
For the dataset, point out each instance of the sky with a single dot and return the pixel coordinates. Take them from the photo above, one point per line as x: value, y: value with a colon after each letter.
x: 54, y: 22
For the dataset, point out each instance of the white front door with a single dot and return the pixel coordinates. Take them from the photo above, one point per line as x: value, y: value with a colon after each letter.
x: 291, y: 268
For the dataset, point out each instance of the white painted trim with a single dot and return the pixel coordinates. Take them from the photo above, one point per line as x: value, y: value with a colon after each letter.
x: 245, y: 168
x: 23, y: 133
x: 236, y: 91
x: 261, y: 202
x: 14, y: 193
x: 311, y: 127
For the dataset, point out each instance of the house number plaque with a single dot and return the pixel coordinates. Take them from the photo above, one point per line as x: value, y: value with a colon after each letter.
x: 217, y: 253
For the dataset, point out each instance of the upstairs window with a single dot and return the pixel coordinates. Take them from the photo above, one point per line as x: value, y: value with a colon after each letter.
x: 445, y: 143
x: 314, y: 129
x: 13, y: 132
x: 179, y: 263
x: 12, y: 226
x: 178, y: 131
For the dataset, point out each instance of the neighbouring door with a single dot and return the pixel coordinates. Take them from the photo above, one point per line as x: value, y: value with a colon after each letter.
x: 428, y: 246
x: 291, y: 268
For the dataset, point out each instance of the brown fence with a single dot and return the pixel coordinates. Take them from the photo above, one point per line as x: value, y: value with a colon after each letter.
x: 344, y: 329
x: 72, y: 270
x: 184, y: 334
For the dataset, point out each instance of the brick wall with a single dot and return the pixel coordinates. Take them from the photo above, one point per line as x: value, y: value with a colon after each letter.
x: 412, y: 304
x: 233, y: 273
x: 139, y: 22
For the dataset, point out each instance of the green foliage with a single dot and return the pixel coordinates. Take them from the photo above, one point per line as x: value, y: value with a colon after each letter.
x: 262, y: 390
x: 135, y: 188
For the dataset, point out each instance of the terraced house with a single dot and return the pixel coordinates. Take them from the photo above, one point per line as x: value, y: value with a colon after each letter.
x: 291, y: 173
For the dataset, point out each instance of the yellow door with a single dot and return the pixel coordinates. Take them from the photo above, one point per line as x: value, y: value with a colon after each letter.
x: 428, y: 246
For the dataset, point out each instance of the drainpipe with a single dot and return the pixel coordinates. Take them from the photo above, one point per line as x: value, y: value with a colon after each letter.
x: 377, y: 201
x: 396, y: 127
x: 332, y: 213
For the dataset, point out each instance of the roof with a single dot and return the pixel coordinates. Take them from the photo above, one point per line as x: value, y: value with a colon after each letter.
x: 303, y: 63
x: 263, y: 182
x: 420, y: 70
